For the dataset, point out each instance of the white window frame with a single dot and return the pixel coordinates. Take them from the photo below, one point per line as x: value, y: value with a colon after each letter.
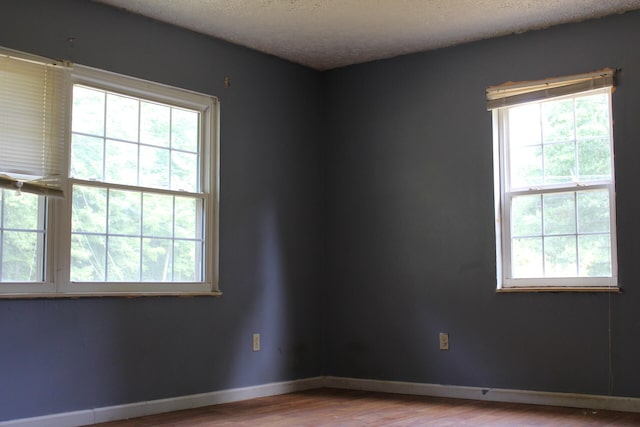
x: 58, y: 226
x: 503, y: 193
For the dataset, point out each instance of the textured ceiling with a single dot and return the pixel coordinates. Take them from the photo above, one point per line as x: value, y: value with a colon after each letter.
x: 325, y: 34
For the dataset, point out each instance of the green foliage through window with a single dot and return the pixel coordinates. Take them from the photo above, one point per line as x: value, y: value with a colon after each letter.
x: 559, y: 187
x: 131, y: 232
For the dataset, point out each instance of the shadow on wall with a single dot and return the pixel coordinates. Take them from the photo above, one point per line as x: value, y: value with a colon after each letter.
x: 153, y: 348
x: 268, y: 313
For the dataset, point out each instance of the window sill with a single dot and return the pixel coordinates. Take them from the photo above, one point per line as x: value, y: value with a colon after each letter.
x: 540, y: 289
x: 129, y: 295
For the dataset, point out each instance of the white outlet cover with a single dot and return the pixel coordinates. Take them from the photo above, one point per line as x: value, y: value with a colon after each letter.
x: 444, y: 341
x: 256, y: 342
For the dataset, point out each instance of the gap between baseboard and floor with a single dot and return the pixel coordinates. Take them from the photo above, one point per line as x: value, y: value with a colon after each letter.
x: 152, y: 407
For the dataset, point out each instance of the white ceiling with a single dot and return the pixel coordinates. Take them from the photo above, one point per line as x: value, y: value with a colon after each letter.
x: 325, y: 34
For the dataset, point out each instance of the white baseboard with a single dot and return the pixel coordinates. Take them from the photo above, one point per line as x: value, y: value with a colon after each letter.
x: 66, y: 419
x: 570, y: 400
x: 140, y: 409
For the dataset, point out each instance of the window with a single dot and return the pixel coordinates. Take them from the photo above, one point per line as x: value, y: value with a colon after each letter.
x: 133, y: 206
x: 555, y: 195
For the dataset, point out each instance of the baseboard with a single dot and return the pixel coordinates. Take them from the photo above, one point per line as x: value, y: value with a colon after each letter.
x: 66, y: 419
x: 570, y: 400
x: 140, y: 409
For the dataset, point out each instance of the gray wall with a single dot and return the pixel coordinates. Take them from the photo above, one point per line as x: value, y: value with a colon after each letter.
x: 65, y: 355
x: 410, y: 222
x: 356, y: 224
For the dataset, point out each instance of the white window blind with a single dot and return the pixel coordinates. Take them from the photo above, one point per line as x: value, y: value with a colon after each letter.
x: 508, y: 94
x: 33, y: 104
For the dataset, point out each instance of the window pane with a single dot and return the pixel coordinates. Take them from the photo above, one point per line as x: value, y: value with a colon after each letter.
x: 88, y: 111
x: 560, y: 256
x: 21, y: 211
x: 157, y: 260
x: 22, y: 237
x: 593, y: 212
x: 134, y: 234
x: 184, y: 130
x: 89, y: 210
x: 559, y: 163
x: 559, y: 213
x: 122, y: 118
x: 122, y: 163
x: 123, y: 262
x: 125, y: 212
x: 184, y: 171
x: 87, y: 155
x: 592, y: 116
x: 22, y: 254
x: 557, y: 121
x: 154, y: 124
x: 595, y: 255
x: 526, y: 166
x: 157, y: 215
x: 87, y: 258
x: 557, y: 228
x: 526, y: 255
x: 524, y: 125
x: 187, y: 264
x: 526, y: 216
x: 154, y: 167
x: 165, y: 154
x: 186, y: 217
x: 594, y: 158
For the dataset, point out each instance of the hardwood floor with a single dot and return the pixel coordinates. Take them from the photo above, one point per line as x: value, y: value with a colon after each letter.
x: 331, y: 407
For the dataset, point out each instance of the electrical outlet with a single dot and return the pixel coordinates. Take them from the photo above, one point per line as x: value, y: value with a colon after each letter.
x: 444, y: 341
x: 256, y: 342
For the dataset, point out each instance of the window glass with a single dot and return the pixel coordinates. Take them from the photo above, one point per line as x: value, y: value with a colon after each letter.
x: 22, y: 237
x: 128, y: 222
x: 557, y: 190
x: 129, y: 141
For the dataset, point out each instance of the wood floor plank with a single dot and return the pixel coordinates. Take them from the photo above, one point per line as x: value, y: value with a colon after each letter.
x: 350, y: 408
